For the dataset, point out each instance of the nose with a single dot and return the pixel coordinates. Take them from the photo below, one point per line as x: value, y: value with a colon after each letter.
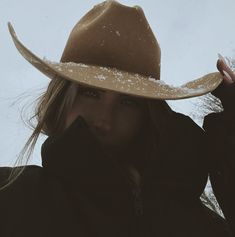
x: 103, y: 122
x: 102, y: 128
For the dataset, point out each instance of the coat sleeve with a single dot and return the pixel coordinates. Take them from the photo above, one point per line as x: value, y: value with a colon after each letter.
x: 4, y: 174
x: 220, y: 131
x: 30, y: 174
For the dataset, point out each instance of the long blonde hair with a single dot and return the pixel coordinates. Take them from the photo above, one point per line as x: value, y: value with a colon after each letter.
x: 51, y: 111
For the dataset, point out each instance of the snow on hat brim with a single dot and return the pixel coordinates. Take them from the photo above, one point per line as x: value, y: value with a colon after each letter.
x: 118, y: 80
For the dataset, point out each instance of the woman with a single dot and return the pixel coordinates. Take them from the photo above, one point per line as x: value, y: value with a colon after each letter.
x: 118, y: 161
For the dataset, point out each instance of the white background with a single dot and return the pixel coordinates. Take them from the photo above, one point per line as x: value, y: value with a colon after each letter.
x: 190, y: 33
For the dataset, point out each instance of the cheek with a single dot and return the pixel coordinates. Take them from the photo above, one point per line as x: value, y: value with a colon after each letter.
x: 130, y: 123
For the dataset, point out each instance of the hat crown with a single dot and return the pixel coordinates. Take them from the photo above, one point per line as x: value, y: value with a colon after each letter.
x: 114, y: 35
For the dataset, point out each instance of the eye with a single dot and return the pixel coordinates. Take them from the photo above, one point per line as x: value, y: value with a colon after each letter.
x: 130, y: 102
x: 90, y: 93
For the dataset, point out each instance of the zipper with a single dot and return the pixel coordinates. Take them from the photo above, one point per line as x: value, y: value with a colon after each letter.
x: 134, y: 184
x: 138, y: 202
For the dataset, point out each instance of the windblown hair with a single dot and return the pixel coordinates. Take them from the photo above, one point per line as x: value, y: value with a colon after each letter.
x: 52, y: 109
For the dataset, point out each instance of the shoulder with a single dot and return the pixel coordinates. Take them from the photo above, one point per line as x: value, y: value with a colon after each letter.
x: 29, y: 177
x: 21, y: 195
x: 189, y: 139
x: 186, y: 127
x: 213, y: 120
x: 5, y: 170
x: 185, y: 137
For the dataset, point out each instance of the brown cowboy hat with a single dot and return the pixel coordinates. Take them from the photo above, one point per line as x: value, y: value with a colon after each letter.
x: 113, y: 47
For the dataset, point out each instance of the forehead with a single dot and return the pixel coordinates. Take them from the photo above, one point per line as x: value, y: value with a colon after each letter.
x: 108, y: 92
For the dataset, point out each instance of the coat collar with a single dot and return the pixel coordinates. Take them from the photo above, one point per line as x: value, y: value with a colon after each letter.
x: 77, y: 162
x: 180, y: 167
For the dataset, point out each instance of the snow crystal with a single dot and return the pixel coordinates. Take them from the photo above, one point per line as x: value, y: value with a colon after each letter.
x: 193, y: 90
x: 100, y: 77
x: 119, y: 74
x: 58, y: 64
x: 102, y: 43
x: 83, y: 65
x: 104, y: 68
x: 49, y: 61
x: 74, y: 64
x: 155, y: 81
x: 59, y: 69
x: 118, y: 33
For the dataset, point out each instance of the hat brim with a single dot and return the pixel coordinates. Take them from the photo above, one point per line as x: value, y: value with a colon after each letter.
x: 118, y: 80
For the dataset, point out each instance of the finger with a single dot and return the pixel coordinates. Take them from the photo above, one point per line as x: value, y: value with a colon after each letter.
x: 219, y: 66
x: 228, y: 77
x: 227, y: 81
x: 225, y: 69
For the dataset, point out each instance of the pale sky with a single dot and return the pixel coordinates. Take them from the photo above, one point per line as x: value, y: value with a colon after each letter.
x: 191, y: 33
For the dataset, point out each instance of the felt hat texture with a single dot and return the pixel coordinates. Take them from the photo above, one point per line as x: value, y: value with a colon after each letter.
x: 113, y: 47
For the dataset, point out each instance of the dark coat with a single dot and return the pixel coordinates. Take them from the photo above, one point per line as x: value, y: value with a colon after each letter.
x: 79, y: 192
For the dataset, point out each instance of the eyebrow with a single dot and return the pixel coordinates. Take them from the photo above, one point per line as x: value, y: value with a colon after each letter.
x: 103, y: 91
x: 119, y: 94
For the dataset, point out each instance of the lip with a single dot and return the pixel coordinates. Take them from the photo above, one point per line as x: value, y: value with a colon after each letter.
x: 99, y: 132
x: 101, y: 136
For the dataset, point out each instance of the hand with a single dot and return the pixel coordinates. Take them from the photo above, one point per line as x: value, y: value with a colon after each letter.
x: 226, y: 71
x: 226, y: 90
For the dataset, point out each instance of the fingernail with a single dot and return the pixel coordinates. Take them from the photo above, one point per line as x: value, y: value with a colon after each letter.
x: 221, y: 58
x: 228, y: 76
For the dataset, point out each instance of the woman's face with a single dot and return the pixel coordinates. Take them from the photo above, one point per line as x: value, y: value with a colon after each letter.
x: 114, y: 118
